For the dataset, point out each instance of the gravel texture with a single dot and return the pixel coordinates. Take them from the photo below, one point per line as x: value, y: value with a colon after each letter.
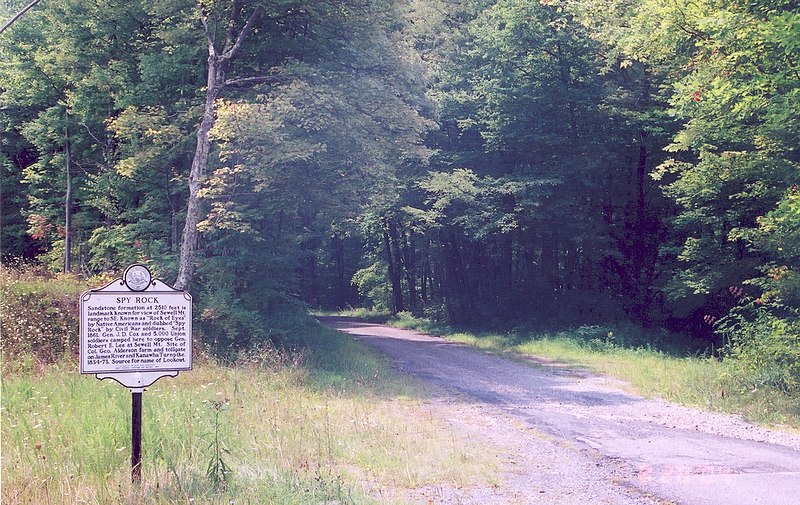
x: 569, y: 437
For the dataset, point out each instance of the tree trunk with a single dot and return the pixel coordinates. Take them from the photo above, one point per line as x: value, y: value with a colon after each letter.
x: 640, y: 254
x: 173, y: 230
x: 341, y: 294
x: 458, y: 297
x: 550, y: 273
x: 199, y: 164
x: 506, y: 273
x: 214, y: 86
x: 67, y: 201
x: 424, y: 275
x: 394, y: 272
x: 409, y: 268
x: 313, y: 283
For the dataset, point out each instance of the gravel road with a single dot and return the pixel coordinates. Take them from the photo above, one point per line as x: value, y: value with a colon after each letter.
x: 570, y: 437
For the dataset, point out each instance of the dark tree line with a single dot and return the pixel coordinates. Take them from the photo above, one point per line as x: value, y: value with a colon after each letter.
x: 480, y: 161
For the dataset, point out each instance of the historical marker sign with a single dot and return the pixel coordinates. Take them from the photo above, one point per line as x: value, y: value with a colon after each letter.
x: 136, y: 330
x: 146, y: 330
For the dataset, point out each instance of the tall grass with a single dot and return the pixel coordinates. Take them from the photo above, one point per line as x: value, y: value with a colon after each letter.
x: 647, y: 362
x: 365, y: 314
x: 66, y: 437
x: 321, y: 420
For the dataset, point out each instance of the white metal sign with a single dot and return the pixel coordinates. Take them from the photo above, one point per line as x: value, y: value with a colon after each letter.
x: 135, y: 325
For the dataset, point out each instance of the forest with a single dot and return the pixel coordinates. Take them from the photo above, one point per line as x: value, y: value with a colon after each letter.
x: 487, y: 163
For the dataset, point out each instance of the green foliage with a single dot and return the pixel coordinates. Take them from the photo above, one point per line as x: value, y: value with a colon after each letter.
x: 777, y: 234
x: 13, y: 225
x: 300, y: 161
x: 112, y: 97
x: 373, y: 285
x: 481, y: 208
x: 77, y: 74
x: 736, y: 85
x: 537, y: 126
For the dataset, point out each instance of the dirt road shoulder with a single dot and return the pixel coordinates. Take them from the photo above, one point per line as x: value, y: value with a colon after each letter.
x: 579, y: 438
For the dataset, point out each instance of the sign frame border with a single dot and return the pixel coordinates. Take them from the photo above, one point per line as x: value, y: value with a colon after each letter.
x: 126, y: 376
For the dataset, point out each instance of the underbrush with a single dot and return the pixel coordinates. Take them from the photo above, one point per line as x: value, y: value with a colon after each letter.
x: 364, y: 314
x: 650, y: 361
x: 38, y: 315
x: 764, y: 340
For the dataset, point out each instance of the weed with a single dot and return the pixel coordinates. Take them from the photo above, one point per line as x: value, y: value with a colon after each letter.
x: 218, y: 472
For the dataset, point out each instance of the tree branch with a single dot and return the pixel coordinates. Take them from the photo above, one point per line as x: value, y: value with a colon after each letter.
x: 236, y: 15
x: 258, y: 79
x: 231, y: 52
x: 212, y: 51
x: 18, y: 15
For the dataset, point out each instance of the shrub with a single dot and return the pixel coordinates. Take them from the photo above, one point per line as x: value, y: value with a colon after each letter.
x: 763, y: 348
x: 229, y: 324
x: 39, y: 314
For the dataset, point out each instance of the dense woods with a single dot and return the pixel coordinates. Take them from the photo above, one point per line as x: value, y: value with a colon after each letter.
x: 484, y: 162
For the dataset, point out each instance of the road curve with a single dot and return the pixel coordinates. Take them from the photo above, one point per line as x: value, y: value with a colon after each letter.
x: 604, y: 445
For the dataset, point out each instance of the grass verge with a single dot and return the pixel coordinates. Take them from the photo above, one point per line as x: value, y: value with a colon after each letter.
x: 285, y: 433
x: 627, y: 354
x: 311, y: 416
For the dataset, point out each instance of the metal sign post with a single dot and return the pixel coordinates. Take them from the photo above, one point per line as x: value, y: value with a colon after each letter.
x: 135, y: 330
x: 136, y: 435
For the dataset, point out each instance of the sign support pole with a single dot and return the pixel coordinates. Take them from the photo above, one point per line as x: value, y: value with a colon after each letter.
x: 136, y: 435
